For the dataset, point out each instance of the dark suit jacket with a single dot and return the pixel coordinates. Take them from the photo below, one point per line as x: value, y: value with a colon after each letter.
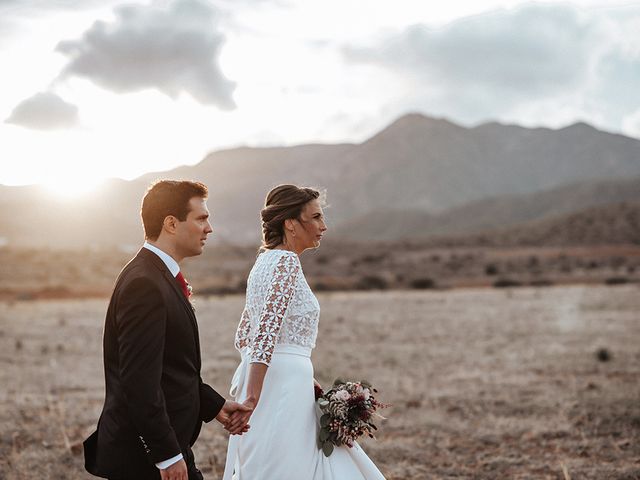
x: 155, y: 399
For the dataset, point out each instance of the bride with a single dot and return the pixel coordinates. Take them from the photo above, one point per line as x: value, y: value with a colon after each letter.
x: 276, y: 334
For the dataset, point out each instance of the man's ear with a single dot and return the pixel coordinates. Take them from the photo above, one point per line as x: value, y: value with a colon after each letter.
x: 169, y: 224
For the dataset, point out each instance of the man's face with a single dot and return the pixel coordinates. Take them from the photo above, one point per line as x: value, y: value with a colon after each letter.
x: 191, y: 234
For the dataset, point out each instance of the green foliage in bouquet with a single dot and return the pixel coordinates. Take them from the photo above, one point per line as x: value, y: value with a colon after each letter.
x: 348, y: 409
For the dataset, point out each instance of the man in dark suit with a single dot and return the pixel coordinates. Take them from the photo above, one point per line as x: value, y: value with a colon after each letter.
x: 155, y: 399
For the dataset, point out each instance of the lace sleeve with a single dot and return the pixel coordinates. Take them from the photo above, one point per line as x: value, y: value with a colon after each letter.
x: 275, y: 306
x: 242, y: 333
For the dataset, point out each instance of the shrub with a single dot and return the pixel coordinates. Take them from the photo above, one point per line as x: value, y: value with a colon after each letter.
x: 372, y: 282
x: 218, y: 290
x: 616, y: 281
x: 323, y: 259
x: 324, y: 287
x: 423, y: 283
x: 506, y: 282
x: 373, y: 258
x: 603, y: 354
x: 491, y: 269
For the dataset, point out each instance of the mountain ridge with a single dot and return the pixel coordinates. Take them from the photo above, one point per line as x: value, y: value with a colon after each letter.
x: 415, y: 164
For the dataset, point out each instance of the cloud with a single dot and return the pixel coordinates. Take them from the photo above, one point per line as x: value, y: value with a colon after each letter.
x: 17, y: 15
x: 44, y: 111
x: 631, y: 124
x: 493, y: 64
x: 173, y: 49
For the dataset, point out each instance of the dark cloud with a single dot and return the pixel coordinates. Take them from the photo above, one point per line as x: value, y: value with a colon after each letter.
x: 487, y: 63
x: 172, y: 48
x: 44, y: 111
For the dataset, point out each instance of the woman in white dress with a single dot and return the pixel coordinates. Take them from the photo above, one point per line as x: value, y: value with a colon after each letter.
x: 275, y: 337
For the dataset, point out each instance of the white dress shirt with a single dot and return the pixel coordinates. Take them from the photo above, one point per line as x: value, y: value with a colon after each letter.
x: 174, y: 268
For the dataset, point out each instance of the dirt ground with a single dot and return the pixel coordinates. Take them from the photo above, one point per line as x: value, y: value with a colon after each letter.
x: 527, y: 383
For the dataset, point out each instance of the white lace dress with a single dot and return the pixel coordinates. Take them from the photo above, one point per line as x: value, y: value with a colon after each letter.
x: 278, y: 327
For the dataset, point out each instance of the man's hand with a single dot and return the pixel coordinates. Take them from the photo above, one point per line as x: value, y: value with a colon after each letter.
x: 177, y: 471
x: 234, y: 417
x: 241, y: 417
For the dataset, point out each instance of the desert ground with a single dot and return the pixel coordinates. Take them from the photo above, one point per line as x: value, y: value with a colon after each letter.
x: 524, y: 383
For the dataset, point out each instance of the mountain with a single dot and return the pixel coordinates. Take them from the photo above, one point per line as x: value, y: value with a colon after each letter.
x: 490, y: 213
x: 614, y: 224
x: 416, y: 168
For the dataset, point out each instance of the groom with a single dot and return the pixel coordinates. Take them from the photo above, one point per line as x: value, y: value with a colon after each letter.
x: 156, y: 400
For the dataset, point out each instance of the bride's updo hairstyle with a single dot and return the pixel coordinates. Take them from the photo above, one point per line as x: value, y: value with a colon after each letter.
x: 283, y: 202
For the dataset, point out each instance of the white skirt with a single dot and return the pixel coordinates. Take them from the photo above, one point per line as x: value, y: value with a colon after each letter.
x: 281, y: 443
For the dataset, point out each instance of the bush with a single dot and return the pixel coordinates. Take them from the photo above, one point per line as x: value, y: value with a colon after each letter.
x: 325, y: 287
x: 616, y: 281
x: 491, y: 269
x: 423, y: 283
x: 323, y: 259
x: 219, y: 290
x: 603, y: 354
x: 506, y: 282
x: 372, y: 282
x: 373, y: 258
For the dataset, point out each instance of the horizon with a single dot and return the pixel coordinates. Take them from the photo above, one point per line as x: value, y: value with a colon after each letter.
x: 94, y: 185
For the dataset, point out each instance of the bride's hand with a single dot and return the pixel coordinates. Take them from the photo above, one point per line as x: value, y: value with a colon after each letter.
x: 240, y: 418
x: 228, y: 413
x: 317, y: 388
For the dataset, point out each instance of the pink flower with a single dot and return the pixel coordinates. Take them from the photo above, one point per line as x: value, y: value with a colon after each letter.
x: 342, y: 395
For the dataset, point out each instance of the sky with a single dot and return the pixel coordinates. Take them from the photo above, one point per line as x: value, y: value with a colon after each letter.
x: 97, y: 89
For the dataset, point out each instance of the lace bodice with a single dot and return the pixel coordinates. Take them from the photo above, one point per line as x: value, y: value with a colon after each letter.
x: 280, y: 307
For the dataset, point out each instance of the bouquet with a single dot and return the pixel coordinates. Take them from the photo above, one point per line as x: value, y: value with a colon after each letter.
x: 347, y: 410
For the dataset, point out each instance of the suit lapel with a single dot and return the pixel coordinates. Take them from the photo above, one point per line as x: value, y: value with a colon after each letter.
x: 188, y: 308
x: 160, y: 265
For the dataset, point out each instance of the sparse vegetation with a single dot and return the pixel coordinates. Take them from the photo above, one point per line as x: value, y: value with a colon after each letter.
x: 616, y: 281
x: 506, y: 282
x: 491, y: 269
x: 478, y: 389
x: 223, y: 270
x: 423, y: 283
x: 603, y: 355
x: 372, y: 282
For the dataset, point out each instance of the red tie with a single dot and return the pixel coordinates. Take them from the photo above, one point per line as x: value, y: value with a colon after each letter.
x: 183, y: 284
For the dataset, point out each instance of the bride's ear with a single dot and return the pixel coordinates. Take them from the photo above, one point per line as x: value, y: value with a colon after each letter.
x: 288, y: 225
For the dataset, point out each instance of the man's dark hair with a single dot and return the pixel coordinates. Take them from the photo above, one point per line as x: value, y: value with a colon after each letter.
x: 168, y: 197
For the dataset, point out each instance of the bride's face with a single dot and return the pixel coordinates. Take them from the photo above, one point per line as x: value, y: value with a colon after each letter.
x: 310, y: 226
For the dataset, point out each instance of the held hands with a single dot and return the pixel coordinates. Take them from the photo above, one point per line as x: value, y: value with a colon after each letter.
x: 241, y: 417
x: 177, y: 471
x: 234, y: 417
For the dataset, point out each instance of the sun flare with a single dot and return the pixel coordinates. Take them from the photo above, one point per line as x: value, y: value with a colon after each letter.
x: 71, y: 188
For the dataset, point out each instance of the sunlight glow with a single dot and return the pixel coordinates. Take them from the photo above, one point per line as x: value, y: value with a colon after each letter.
x: 72, y: 188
